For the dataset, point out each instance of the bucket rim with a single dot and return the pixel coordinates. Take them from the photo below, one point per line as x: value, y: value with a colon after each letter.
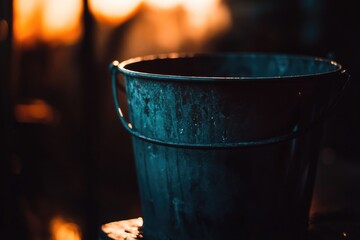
x: 122, y: 67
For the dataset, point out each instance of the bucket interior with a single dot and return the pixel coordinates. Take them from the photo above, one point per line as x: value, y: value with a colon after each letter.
x: 234, y: 66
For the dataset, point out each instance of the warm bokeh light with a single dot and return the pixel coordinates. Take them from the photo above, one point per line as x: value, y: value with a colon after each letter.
x: 169, y: 22
x: 186, y: 26
x: 211, y: 13
x: 126, y: 229
x: 4, y: 29
x: 35, y: 111
x: 200, y: 14
x: 61, y: 21
x: 50, y: 21
x: 164, y: 4
x: 206, y: 18
x: 26, y: 21
x: 113, y: 12
x: 64, y: 230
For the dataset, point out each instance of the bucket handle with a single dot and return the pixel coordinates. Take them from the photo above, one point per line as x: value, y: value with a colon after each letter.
x: 114, y: 69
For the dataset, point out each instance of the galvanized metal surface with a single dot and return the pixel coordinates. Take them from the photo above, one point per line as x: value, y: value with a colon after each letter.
x: 252, y: 97
x: 188, y: 113
x: 206, y: 194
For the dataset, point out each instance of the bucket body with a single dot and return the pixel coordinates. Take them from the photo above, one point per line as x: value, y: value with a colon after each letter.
x: 226, y: 145
x: 251, y: 193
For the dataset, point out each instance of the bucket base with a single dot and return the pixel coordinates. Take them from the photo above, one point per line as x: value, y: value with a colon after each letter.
x: 130, y: 229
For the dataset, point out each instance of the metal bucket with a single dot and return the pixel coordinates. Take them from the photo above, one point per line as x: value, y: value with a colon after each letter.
x: 226, y: 145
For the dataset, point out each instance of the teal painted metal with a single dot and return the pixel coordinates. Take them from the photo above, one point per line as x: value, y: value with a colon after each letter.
x: 227, y: 141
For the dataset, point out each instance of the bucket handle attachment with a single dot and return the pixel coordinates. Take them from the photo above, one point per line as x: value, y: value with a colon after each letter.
x: 114, y: 69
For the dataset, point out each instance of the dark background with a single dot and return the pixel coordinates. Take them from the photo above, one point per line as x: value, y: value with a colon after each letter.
x: 80, y: 166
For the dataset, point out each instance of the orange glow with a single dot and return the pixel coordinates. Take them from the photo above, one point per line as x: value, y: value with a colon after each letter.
x: 202, y: 16
x: 200, y: 12
x: 113, y: 12
x: 164, y: 4
x: 63, y: 230
x: 61, y: 21
x: 126, y: 229
x: 50, y: 21
x: 36, y: 111
x: 206, y: 17
x: 176, y: 25
x: 4, y: 28
x: 26, y: 20
x: 166, y: 25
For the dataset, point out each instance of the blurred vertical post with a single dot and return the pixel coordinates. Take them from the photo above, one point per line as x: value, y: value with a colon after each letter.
x: 90, y: 121
x: 5, y: 59
x: 12, y: 225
